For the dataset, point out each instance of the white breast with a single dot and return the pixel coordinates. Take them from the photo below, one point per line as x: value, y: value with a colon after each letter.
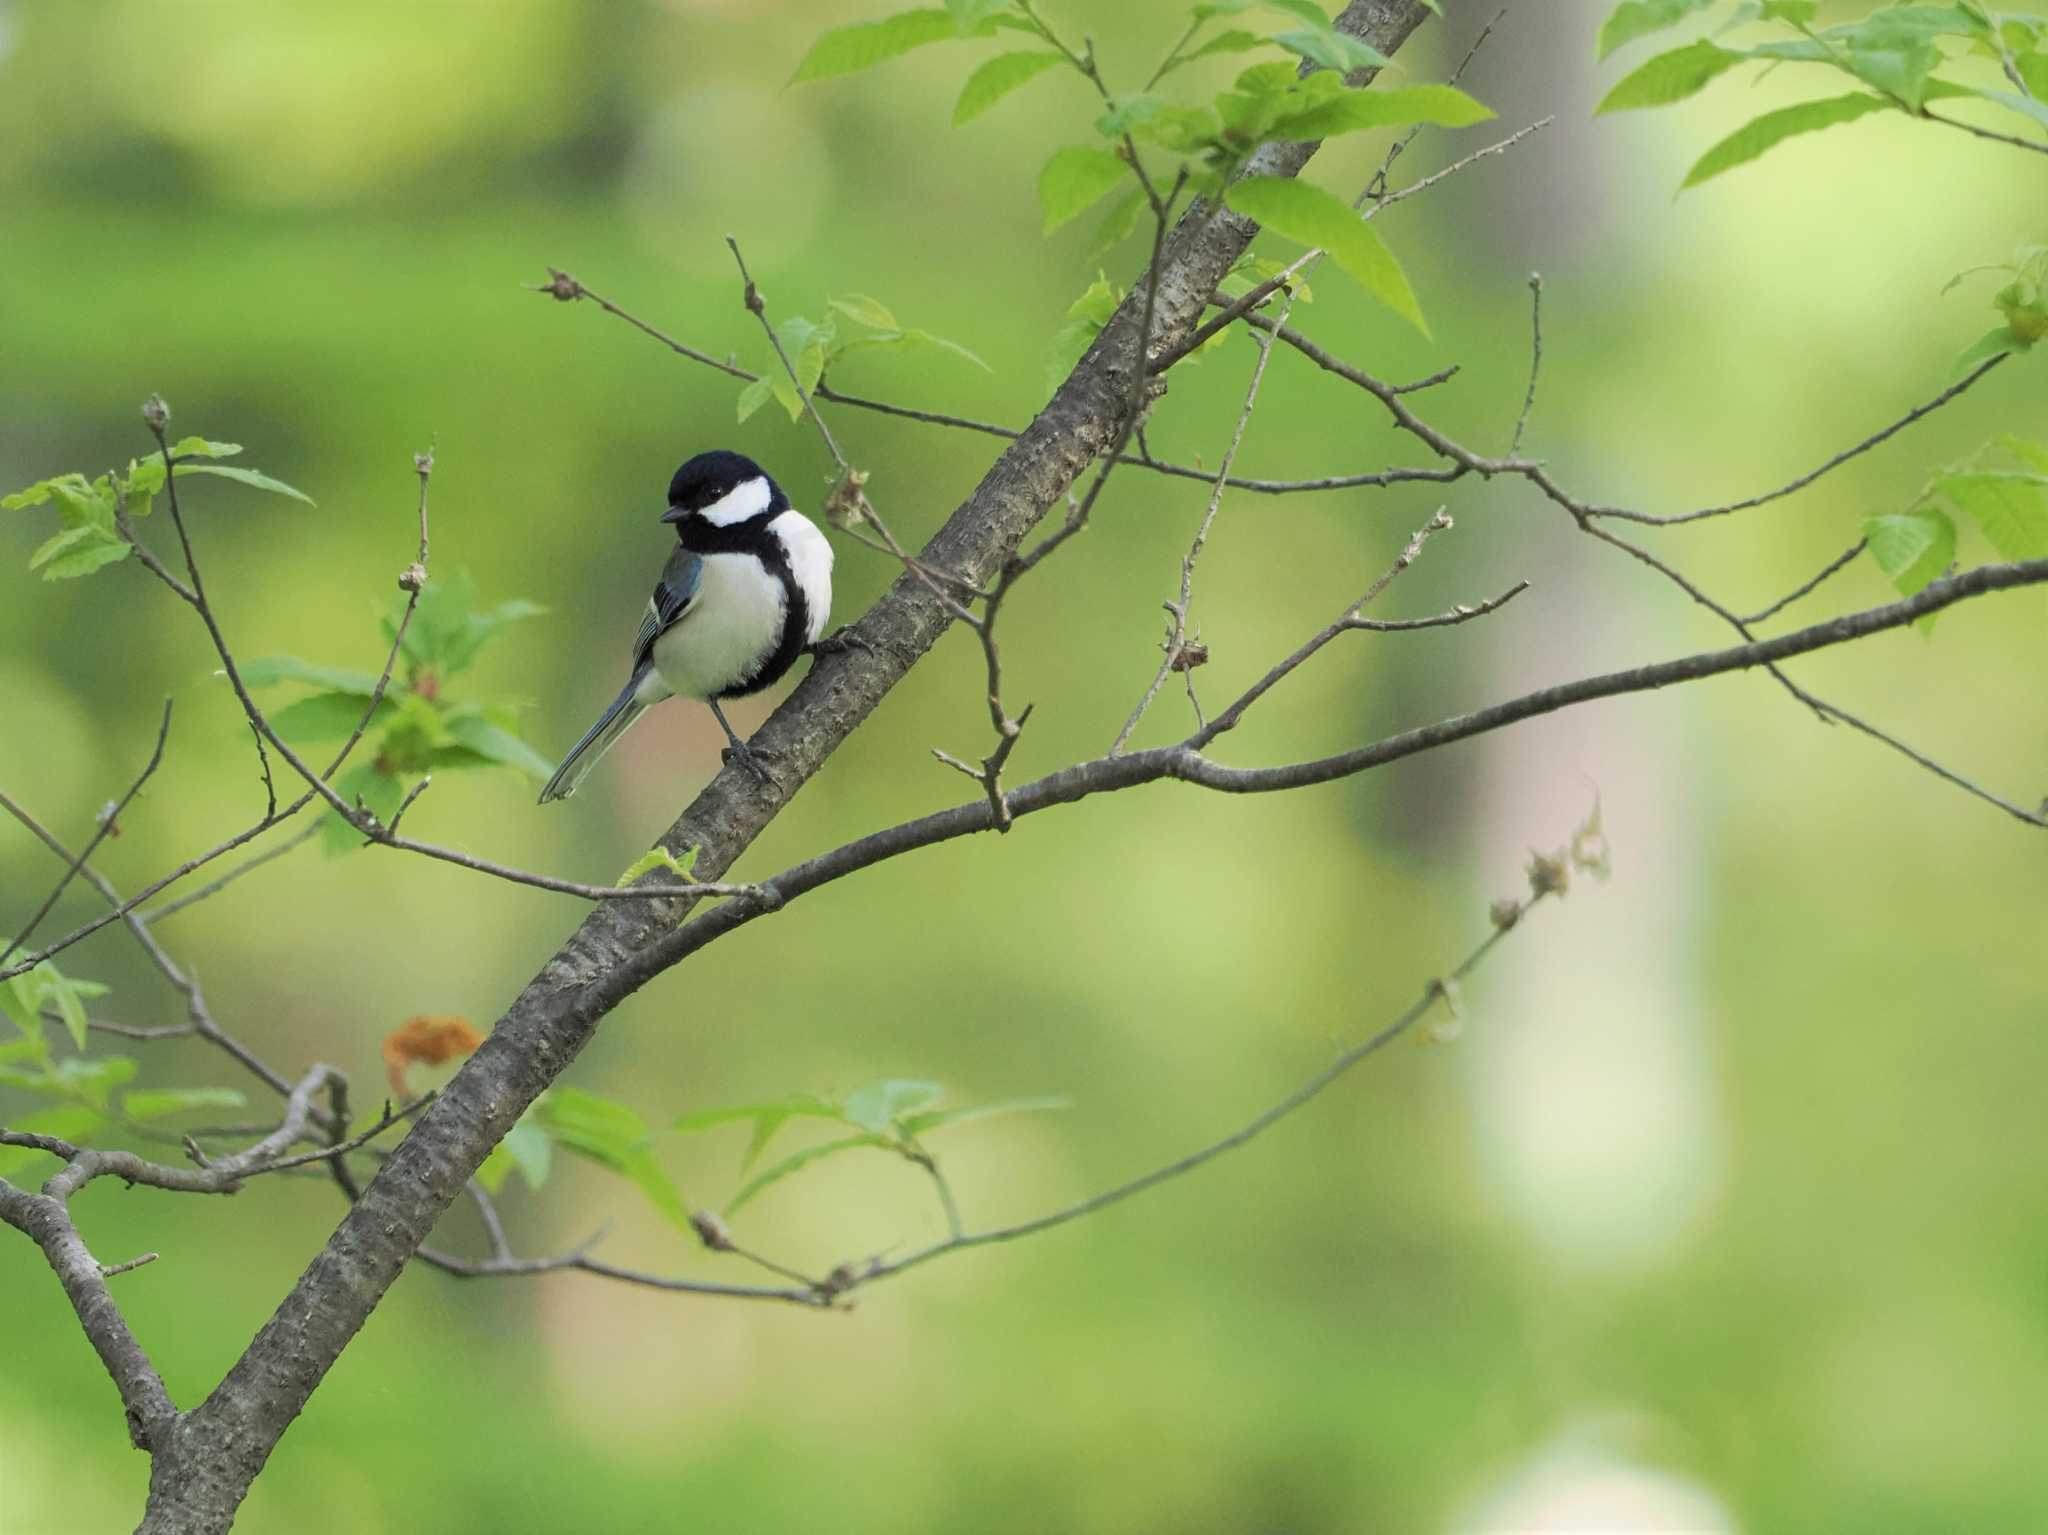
x: 810, y: 562
x: 734, y: 623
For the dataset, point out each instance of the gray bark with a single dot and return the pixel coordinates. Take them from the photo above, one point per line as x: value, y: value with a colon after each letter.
x: 206, y: 1461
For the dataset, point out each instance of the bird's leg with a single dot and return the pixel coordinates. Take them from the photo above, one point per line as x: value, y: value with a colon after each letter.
x: 739, y: 751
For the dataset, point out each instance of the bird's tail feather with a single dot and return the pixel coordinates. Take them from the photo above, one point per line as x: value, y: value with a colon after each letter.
x: 584, y: 755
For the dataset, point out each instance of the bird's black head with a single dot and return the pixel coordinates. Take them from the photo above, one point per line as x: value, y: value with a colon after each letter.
x: 723, y: 488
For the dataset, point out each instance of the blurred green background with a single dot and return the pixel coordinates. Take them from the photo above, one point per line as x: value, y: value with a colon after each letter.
x: 1722, y: 1213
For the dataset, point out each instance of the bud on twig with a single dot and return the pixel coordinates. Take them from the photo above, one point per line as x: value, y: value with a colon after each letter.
x: 155, y: 414
x: 1549, y: 873
x: 413, y: 578
x: 711, y: 1231
x: 845, y: 504
x: 1505, y: 913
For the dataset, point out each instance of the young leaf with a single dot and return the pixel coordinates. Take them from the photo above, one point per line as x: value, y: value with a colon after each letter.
x: 495, y: 743
x: 797, y: 1161
x: 1912, y: 548
x: 199, y: 447
x: 155, y: 1103
x: 248, y: 477
x: 875, y: 1106
x: 1996, y: 342
x: 861, y: 309
x: 325, y: 717
x: 659, y: 858
x: 1312, y: 216
x: 1073, y: 180
x: 1669, y: 77
x: 1772, y: 129
x: 909, y: 341
x: 77, y: 551
x: 615, y: 1137
x: 1332, y: 49
x: 767, y: 1118
x: 939, y: 1119
x: 1639, y: 18
x: 996, y: 78
x: 2032, y: 454
x: 2010, y: 508
x: 1352, y: 111
x: 1222, y: 42
x: 265, y: 670
x: 94, y: 1078
x: 755, y: 395
x: 848, y: 50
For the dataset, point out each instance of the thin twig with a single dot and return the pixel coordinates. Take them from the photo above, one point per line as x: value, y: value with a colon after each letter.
x: 1535, y: 360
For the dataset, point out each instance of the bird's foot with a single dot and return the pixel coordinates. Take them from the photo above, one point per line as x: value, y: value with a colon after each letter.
x: 839, y: 641
x: 749, y: 759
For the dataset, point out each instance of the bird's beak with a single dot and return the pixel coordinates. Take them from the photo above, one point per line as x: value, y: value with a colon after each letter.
x: 675, y: 514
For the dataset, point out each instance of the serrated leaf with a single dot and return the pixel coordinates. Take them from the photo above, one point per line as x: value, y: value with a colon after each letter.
x: 1773, y: 128
x: 1912, y: 548
x: 248, y: 477
x: 996, y: 78
x: 1308, y: 214
x: 95, y: 552
x: 851, y: 49
x: 940, y: 1119
x: 1073, y: 180
x: 266, y: 670
x: 797, y: 1161
x: 2010, y: 509
x: 1669, y: 77
x: 659, y: 858
x: 876, y: 1105
x: 156, y: 1102
x: 1634, y: 19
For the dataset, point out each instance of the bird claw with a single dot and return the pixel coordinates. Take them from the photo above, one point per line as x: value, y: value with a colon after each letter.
x: 839, y: 641
x: 749, y: 759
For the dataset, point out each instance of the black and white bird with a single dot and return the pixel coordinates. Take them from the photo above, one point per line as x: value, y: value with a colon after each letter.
x: 745, y: 593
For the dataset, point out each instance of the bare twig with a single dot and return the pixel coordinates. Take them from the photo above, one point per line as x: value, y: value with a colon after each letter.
x: 1535, y: 360
x: 1839, y: 562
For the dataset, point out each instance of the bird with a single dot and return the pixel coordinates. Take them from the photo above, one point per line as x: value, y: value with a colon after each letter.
x: 746, y: 592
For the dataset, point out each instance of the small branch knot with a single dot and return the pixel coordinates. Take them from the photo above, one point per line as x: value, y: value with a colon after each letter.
x: 711, y: 1231
x: 561, y: 285
x: 414, y: 577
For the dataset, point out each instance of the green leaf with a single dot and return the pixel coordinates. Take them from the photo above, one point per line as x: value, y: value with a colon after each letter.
x: 46, y: 985
x: 1639, y: 18
x: 326, y: 716
x: 910, y: 341
x: 1669, y: 77
x: 531, y: 1150
x: 248, y: 477
x: 1310, y: 215
x: 2032, y: 454
x: 877, y: 1105
x: 2013, y: 101
x: 94, y: 1078
x: 659, y: 858
x: 797, y: 1161
x: 1773, y: 128
x: 77, y: 551
x: 1085, y: 318
x: 1798, y: 12
x: 940, y: 1119
x: 1912, y: 548
x: 199, y: 447
x: 996, y: 78
x: 1898, y: 68
x: 496, y: 743
x: 1996, y: 342
x: 381, y: 794
x: 613, y: 1136
x: 755, y: 395
x: 1073, y: 180
x: 766, y: 1118
x: 861, y: 309
x: 2009, y: 508
x: 1117, y: 224
x: 71, y: 1122
x: 1222, y: 42
x: 1356, y: 110
x: 849, y: 50
x: 1334, y: 50
x: 155, y: 1103
x: 266, y: 670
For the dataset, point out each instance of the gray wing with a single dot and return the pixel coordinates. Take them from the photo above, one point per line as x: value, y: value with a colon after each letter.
x: 674, y: 595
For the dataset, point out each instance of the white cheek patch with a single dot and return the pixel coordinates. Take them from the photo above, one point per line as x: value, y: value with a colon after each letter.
x: 747, y: 499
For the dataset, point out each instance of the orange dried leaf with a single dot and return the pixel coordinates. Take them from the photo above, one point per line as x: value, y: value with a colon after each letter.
x: 427, y: 1039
